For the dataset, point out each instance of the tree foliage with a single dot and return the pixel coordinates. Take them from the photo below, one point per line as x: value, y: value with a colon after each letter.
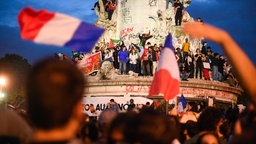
x: 15, y: 70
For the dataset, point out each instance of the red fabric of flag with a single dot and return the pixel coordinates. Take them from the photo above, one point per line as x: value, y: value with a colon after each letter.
x: 167, y: 77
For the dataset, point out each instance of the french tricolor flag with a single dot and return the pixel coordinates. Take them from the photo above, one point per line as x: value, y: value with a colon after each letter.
x: 166, y: 81
x: 57, y: 29
x: 182, y: 105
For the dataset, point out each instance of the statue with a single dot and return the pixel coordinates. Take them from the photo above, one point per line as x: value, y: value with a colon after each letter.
x: 104, y: 22
x: 106, y: 71
x: 129, y: 28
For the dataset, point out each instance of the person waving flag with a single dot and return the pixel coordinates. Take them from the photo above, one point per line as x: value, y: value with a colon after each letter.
x: 167, y: 77
x: 57, y: 29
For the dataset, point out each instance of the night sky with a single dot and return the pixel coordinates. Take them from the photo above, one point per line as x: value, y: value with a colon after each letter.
x: 238, y: 17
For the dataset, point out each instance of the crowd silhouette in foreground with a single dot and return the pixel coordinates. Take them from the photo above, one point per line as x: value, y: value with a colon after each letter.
x: 55, y: 89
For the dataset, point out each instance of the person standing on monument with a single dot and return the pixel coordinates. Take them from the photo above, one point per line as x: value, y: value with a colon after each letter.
x: 215, y: 67
x: 178, y: 15
x: 115, y: 58
x: 145, y: 64
x: 111, y: 9
x: 133, y: 60
x: 206, y: 67
x: 185, y: 49
x: 199, y: 63
x: 155, y: 56
x: 122, y: 59
x: 203, y: 49
x: 190, y: 63
x: 144, y: 37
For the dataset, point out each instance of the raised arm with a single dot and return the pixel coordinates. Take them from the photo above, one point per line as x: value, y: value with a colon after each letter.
x: 243, y: 66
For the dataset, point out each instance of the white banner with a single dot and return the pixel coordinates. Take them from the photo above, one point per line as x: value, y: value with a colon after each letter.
x: 100, y: 103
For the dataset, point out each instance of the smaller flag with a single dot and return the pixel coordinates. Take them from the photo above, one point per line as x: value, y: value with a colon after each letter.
x: 57, y: 29
x: 78, y: 55
x: 113, y: 42
x: 182, y: 105
x: 167, y: 77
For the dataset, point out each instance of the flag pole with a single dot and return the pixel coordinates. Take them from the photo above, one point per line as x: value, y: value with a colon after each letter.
x: 166, y: 106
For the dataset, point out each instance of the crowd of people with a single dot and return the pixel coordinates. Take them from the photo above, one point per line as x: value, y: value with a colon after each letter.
x: 53, y: 119
x: 143, y: 60
x: 55, y: 89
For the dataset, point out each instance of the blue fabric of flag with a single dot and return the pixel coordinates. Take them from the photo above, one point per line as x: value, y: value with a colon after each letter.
x: 84, y: 38
x: 168, y: 42
x: 183, y: 101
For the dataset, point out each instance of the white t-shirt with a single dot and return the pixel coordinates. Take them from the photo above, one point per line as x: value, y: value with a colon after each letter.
x: 133, y: 58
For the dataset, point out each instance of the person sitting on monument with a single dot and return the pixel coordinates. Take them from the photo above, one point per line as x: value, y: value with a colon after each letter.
x: 200, y: 20
x: 183, y: 73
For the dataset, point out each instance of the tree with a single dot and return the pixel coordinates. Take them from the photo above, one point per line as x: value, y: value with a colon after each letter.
x: 15, y: 68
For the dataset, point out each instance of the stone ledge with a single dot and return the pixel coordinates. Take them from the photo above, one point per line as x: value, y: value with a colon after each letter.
x: 126, y: 80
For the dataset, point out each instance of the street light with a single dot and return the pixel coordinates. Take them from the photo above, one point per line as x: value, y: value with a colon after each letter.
x: 2, y: 81
x: 2, y: 84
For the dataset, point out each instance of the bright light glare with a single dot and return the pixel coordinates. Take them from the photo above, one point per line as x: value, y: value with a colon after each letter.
x: 1, y: 95
x: 2, y: 81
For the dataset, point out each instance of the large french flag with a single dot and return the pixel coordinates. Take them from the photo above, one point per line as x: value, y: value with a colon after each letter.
x: 57, y: 29
x: 166, y: 80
